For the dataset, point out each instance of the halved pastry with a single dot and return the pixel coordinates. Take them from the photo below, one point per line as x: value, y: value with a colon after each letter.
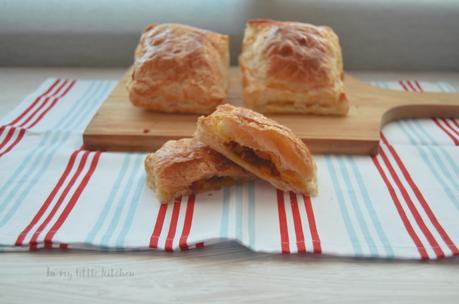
x: 292, y: 67
x: 261, y: 146
x: 180, y: 68
x: 185, y: 166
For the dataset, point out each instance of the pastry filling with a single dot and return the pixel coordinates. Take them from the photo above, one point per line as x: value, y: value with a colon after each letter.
x: 212, y: 183
x: 259, y: 159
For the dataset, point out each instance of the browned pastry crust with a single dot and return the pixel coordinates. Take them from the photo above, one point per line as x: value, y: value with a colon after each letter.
x: 261, y: 146
x: 185, y: 166
x: 292, y: 67
x: 180, y: 68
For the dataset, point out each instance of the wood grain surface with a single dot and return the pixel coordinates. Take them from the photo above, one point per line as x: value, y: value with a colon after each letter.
x: 223, y: 273
x: 119, y: 126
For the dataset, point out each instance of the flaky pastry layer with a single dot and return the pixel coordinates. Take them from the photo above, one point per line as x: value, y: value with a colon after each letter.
x: 179, y: 68
x: 292, y: 67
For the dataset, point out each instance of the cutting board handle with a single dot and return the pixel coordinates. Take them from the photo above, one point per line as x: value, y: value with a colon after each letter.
x: 395, y: 105
x: 419, y: 105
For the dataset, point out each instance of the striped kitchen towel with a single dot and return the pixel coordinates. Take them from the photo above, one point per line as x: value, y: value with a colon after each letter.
x: 403, y: 203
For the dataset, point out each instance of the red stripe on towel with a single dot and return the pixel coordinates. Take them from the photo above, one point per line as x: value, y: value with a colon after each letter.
x: 282, y: 222
x: 74, y: 199
x: 312, y: 225
x: 49, y: 199
x: 403, y: 85
x: 32, y: 116
x: 60, y: 200
x: 418, y: 86
x: 450, y: 135
x: 455, y: 122
x: 450, y: 126
x: 53, y: 103
x: 409, y: 228
x: 43, y: 104
x: 158, y: 226
x: 34, y: 103
x: 421, y: 198
x: 173, y: 225
x: 411, y: 86
x: 187, y: 224
x: 14, y: 143
x: 414, y: 211
x: 7, y: 137
x: 297, y: 223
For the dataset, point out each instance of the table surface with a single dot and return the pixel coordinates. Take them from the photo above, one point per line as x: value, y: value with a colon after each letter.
x: 223, y: 273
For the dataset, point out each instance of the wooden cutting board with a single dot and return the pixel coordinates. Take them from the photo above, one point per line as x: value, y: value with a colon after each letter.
x: 119, y: 126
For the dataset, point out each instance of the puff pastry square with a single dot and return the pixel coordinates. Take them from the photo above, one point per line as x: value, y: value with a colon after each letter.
x: 186, y: 166
x: 261, y: 146
x: 292, y: 67
x: 178, y: 68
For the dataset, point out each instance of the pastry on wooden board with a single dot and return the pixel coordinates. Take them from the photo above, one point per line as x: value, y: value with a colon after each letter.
x: 261, y: 146
x: 186, y: 166
x: 292, y: 67
x: 180, y: 69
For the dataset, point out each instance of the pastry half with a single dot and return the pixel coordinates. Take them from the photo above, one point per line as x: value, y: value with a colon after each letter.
x: 292, y: 67
x: 186, y: 166
x: 179, y: 68
x: 261, y: 146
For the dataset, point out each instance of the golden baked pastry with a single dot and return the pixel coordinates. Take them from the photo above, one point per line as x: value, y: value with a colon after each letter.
x: 185, y: 166
x: 180, y: 68
x: 261, y: 146
x: 292, y: 67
